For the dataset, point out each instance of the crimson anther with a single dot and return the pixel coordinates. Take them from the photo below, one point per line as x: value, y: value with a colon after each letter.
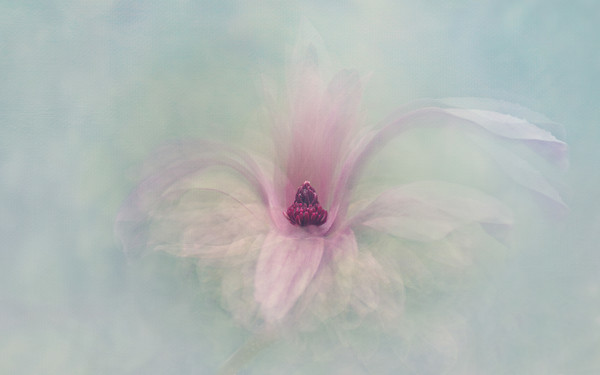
x: 306, y: 209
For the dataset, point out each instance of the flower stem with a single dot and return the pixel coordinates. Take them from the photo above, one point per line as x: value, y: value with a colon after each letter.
x: 247, y: 352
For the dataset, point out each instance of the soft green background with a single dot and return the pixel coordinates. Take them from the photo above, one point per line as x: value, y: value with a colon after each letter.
x: 88, y: 88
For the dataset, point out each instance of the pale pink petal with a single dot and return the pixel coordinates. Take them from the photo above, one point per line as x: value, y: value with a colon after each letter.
x: 369, y: 282
x: 313, y: 130
x: 208, y: 224
x: 330, y: 292
x: 352, y: 284
x: 430, y: 210
x: 488, y: 122
x: 198, y: 153
x: 175, y: 165
x: 521, y: 171
x: 508, y: 126
x: 318, y: 141
x: 500, y: 106
x: 533, y: 128
x: 307, y: 72
x: 284, y: 269
x: 237, y: 284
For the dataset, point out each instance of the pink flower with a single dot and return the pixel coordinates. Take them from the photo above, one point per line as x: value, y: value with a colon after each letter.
x: 280, y: 232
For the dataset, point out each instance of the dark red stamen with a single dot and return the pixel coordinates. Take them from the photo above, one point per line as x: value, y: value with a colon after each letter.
x: 306, y: 209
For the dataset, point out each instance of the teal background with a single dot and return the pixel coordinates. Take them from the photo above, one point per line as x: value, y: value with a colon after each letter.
x: 88, y: 88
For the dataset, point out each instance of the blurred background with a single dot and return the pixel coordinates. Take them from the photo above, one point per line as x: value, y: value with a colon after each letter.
x: 89, y: 88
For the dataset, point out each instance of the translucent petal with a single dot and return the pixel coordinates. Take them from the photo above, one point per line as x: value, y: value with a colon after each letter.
x: 500, y: 106
x: 521, y: 171
x: 284, y: 269
x: 430, y: 210
x: 313, y: 129
x: 486, y: 122
x: 173, y: 199
x: 330, y: 292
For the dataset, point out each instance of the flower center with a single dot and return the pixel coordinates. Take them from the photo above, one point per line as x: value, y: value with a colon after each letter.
x: 306, y: 209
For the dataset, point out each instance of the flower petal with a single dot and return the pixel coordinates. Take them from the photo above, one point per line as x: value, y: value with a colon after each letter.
x: 521, y: 171
x: 318, y: 141
x: 208, y: 223
x: 556, y: 153
x: 316, y: 127
x: 148, y: 213
x: 331, y: 290
x: 499, y: 106
x: 352, y: 283
x: 430, y: 210
x: 284, y: 269
x: 492, y: 123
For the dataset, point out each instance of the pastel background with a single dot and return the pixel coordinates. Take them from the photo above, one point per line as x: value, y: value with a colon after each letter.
x: 89, y: 88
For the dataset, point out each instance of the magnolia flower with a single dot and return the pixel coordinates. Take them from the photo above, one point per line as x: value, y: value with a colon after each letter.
x: 280, y: 233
